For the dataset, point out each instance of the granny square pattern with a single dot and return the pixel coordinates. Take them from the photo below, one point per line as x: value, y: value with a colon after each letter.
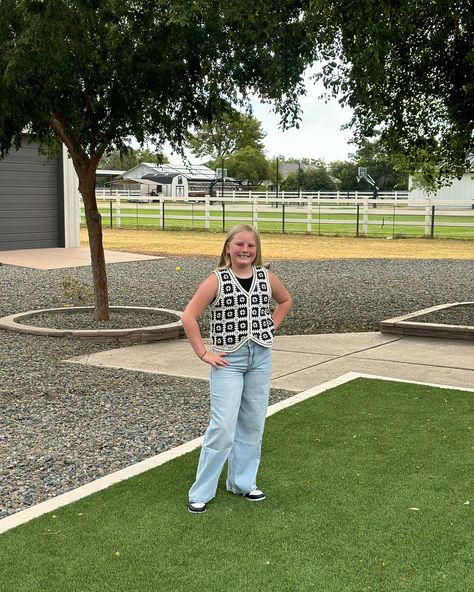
x: 237, y: 315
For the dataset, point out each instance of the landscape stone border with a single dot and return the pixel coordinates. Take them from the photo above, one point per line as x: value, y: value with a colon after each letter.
x: 407, y: 325
x: 131, y: 335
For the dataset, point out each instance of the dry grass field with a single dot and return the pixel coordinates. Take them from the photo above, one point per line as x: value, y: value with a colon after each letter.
x: 288, y: 246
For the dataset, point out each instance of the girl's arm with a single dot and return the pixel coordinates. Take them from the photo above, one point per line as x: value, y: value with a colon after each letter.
x: 204, y: 295
x: 282, y: 297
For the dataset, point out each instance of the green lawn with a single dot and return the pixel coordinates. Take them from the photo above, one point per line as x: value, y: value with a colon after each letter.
x: 367, y: 487
x: 338, y: 222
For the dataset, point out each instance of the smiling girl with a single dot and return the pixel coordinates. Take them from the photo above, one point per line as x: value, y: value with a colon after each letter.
x: 238, y: 295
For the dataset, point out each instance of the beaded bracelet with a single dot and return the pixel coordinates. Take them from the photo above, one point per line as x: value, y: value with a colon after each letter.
x: 203, y: 355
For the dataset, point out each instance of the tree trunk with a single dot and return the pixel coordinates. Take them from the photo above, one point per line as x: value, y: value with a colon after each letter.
x: 85, y: 166
x: 94, y: 230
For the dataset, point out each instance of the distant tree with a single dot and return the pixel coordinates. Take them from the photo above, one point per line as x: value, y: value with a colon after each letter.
x: 344, y: 174
x: 380, y: 166
x: 305, y: 160
x: 226, y: 134
x: 248, y: 165
x: 316, y: 178
x: 382, y: 169
x: 94, y: 74
x: 293, y: 182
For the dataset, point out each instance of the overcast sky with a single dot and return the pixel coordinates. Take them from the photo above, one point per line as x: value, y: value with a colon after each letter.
x: 319, y: 134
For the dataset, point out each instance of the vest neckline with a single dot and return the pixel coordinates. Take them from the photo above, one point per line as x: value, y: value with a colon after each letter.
x: 239, y: 285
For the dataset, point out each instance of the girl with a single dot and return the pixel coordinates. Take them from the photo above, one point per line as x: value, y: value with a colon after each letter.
x: 238, y: 294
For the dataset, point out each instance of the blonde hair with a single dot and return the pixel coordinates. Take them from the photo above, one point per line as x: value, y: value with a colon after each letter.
x: 224, y: 261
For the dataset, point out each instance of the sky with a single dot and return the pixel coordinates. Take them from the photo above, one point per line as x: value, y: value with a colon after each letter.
x: 319, y: 134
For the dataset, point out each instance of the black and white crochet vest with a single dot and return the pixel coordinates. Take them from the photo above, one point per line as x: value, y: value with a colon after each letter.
x: 238, y: 316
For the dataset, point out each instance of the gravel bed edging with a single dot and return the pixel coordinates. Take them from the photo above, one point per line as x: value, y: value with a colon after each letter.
x: 408, y: 324
x: 129, y: 335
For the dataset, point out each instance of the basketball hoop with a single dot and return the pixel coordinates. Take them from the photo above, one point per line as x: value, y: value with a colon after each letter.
x: 361, y: 173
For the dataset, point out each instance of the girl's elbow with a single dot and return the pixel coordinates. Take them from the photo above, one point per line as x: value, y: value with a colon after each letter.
x: 187, y: 319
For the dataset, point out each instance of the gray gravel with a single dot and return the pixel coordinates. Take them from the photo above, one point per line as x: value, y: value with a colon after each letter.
x: 63, y: 425
x: 456, y: 315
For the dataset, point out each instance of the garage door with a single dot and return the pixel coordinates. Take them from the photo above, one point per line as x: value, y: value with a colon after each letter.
x: 30, y: 202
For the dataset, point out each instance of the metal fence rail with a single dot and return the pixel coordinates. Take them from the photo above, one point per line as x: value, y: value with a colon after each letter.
x: 359, y: 215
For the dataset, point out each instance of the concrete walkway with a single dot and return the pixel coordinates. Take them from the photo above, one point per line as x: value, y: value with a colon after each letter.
x: 301, y: 362
x: 58, y: 258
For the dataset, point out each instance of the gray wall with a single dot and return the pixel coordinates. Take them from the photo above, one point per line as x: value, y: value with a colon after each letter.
x: 31, y: 200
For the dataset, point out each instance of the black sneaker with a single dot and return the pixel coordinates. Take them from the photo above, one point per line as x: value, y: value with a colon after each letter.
x: 197, y: 507
x: 255, y: 496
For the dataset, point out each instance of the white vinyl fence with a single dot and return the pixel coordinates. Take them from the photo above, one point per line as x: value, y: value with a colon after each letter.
x: 389, y: 215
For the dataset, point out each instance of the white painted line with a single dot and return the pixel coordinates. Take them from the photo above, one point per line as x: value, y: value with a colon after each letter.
x: 433, y: 384
x: 311, y: 392
x: 150, y: 463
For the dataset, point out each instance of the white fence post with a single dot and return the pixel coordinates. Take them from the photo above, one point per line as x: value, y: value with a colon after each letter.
x: 365, y: 216
x: 428, y: 220
x: 255, y: 212
x: 117, y: 211
x: 207, y: 213
x: 162, y: 205
x: 309, y: 215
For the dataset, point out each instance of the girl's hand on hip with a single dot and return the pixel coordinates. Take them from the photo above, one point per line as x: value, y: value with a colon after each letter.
x: 215, y: 359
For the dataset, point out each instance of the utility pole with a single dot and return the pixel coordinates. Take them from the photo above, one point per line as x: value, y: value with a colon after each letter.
x: 222, y: 179
x: 299, y: 180
x: 277, y: 180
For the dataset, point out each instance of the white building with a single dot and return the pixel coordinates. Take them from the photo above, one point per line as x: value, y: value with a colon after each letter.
x: 171, y: 180
x: 460, y: 192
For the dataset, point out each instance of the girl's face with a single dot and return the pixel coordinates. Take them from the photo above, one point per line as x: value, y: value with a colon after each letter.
x: 242, y: 250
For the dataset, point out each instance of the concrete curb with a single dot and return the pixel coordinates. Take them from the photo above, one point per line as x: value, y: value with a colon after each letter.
x: 131, y: 335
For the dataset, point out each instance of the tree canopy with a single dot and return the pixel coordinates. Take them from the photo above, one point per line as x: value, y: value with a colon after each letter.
x: 226, y: 134
x: 248, y: 165
x: 96, y: 73
x: 313, y: 178
x: 407, y: 69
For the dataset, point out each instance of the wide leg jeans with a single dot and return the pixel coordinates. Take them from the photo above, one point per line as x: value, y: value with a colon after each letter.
x: 239, y: 401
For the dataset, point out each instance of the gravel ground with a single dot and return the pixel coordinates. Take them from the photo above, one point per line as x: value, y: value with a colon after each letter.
x: 457, y: 315
x: 63, y: 425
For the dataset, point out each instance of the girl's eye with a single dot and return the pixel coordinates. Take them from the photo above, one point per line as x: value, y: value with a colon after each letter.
x: 240, y: 244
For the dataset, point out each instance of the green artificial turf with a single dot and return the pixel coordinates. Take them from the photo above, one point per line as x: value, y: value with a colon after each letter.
x: 368, y: 487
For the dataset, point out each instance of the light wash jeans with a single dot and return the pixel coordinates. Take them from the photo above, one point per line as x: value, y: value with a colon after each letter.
x: 239, y: 401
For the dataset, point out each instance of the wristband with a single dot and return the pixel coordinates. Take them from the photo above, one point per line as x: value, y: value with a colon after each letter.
x: 203, y: 355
